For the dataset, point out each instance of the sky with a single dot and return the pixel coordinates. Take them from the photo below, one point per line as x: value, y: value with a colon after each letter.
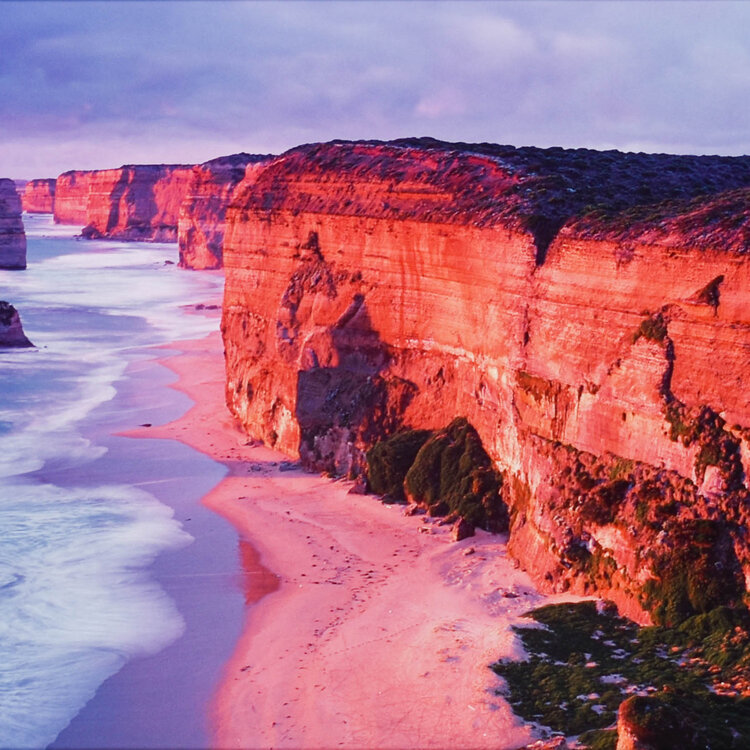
x: 92, y: 85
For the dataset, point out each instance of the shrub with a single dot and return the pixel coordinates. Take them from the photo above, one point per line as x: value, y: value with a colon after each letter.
x: 390, y: 460
x: 453, y: 468
x: 687, y: 580
x: 653, y: 329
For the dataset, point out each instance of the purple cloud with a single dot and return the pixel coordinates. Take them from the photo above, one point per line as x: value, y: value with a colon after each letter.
x: 86, y: 85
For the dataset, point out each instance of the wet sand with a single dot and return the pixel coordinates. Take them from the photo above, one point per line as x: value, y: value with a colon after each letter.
x: 376, y: 629
x: 160, y: 700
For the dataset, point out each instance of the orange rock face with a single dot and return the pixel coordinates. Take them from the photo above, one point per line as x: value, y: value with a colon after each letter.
x: 136, y: 202
x: 375, y: 286
x: 202, y: 220
x: 38, y: 197
x: 12, y: 235
x: 72, y: 197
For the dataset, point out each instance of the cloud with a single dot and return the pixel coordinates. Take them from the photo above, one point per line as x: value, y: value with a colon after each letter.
x: 129, y: 81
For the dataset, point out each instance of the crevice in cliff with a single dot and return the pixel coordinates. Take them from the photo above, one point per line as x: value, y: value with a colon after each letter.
x: 544, y: 230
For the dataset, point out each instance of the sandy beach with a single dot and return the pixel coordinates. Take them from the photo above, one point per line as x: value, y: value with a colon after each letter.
x: 369, y: 629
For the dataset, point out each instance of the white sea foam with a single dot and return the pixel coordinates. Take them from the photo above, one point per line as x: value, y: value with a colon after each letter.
x: 76, y: 600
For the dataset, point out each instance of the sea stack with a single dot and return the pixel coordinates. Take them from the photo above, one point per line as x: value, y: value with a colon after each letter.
x: 38, y: 196
x: 11, y: 331
x: 587, y: 312
x: 203, y: 212
x: 12, y: 235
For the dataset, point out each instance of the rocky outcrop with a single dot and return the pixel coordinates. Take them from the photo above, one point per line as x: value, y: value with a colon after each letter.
x: 11, y: 332
x: 38, y: 196
x: 136, y: 202
x: 203, y: 212
x: 12, y: 235
x: 587, y: 312
x: 653, y: 723
x: 72, y: 197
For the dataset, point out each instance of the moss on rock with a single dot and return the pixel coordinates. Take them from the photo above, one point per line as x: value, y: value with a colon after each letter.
x: 389, y: 460
x: 452, y: 473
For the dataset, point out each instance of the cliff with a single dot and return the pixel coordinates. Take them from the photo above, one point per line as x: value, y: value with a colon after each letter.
x: 202, y: 219
x: 11, y: 331
x: 38, y: 196
x: 136, y: 202
x: 12, y: 235
x: 72, y: 197
x: 587, y: 312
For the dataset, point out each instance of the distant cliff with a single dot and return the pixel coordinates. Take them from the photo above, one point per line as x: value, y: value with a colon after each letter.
x: 38, y: 196
x: 12, y: 235
x: 72, y: 197
x: 202, y: 214
x: 588, y: 312
x: 136, y: 202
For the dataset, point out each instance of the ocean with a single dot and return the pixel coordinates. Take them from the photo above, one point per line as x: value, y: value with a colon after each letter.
x: 83, y: 517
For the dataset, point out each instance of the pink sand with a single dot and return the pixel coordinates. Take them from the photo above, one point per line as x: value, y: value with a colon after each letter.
x: 376, y: 630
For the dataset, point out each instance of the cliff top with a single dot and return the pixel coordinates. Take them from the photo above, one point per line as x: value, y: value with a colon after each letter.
x: 720, y: 221
x: 141, y: 167
x: 535, y: 190
x: 237, y: 160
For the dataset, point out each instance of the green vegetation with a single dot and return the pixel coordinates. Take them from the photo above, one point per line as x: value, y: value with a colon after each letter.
x: 654, y: 328
x: 389, y: 460
x: 622, y: 468
x: 718, y: 447
x: 692, y: 578
x: 452, y: 474
x: 586, y: 661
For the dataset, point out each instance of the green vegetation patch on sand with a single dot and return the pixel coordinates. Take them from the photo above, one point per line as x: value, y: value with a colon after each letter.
x: 584, y: 661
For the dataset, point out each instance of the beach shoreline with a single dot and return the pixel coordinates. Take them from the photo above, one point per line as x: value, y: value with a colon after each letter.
x: 368, y: 628
x: 158, y: 699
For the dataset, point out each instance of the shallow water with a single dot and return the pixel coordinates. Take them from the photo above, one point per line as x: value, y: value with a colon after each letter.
x: 77, y: 535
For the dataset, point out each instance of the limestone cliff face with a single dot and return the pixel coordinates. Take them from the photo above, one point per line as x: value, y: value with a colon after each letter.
x: 202, y: 220
x: 601, y: 354
x: 38, y: 196
x: 136, y: 202
x: 12, y: 235
x: 72, y: 197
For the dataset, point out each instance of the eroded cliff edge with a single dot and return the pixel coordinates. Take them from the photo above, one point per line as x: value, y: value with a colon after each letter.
x: 12, y: 234
x: 202, y: 219
x: 586, y: 311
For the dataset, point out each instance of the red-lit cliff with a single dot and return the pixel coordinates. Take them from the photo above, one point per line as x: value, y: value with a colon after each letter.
x: 12, y: 235
x: 136, y: 202
x: 595, y: 335
x: 38, y: 196
x: 72, y: 197
x: 202, y: 214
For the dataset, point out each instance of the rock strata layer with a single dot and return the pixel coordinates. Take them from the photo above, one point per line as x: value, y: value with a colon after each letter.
x: 136, y: 202
x: 586, y: 311
x: 38, y: 196
x: 202, y: 220
x: 11, y: 331
x: 12, y: 235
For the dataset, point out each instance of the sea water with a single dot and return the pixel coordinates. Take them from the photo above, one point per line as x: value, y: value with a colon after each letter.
x: 76, y: 598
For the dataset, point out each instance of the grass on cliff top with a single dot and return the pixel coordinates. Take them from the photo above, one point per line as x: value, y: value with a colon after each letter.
x: 585, y: 661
